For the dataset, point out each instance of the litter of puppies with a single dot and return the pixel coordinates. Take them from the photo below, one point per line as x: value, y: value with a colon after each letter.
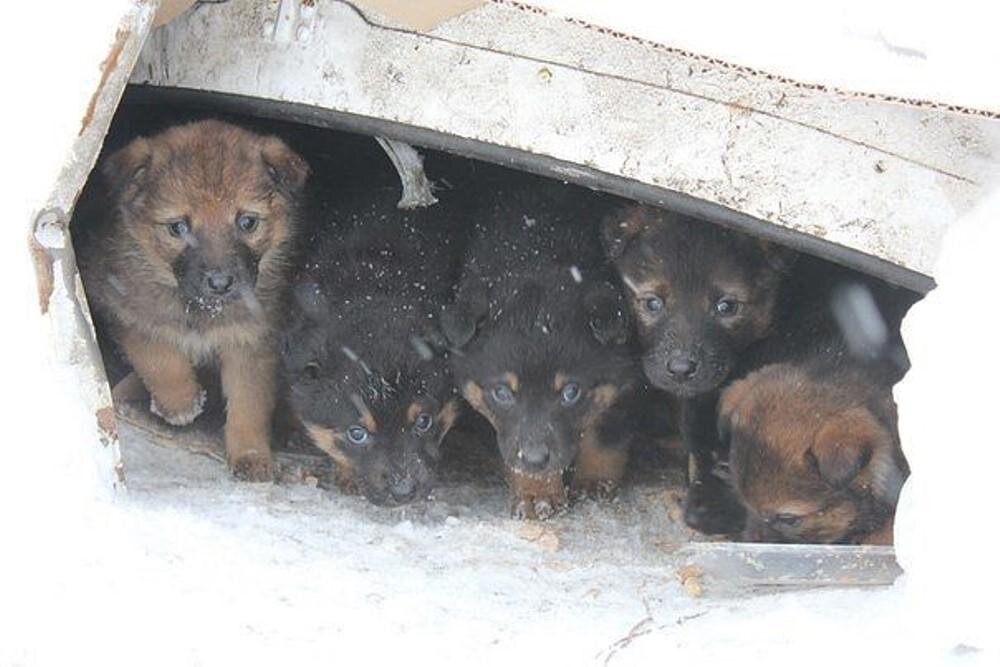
x: 571, y: 322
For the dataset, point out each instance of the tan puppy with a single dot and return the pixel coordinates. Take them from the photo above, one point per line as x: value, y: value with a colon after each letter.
x: 189, y: 268
x: 814, y: 453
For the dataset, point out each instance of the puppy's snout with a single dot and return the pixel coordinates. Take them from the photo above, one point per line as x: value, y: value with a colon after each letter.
x: 535, y: 456
x: 403, y: 489
x: 682, y: 366
x: 219, y: 282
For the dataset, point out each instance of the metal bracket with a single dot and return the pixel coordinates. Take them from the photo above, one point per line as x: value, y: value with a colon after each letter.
x: 293, y: 23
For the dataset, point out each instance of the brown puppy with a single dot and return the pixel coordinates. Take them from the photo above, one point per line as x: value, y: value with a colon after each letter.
x: 814, y: 452
x: 702, y: 297
x: 189, y: 268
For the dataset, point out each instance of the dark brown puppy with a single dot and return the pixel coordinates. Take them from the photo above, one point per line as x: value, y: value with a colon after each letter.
x: 365, y: 363
x: 814, y: 451
x: 701, y: 297
x: 190, y: 267
x: 542, y: 345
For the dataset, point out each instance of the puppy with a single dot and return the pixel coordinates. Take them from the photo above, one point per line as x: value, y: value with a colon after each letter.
x: 543, y: 344
x: 364, y: 360
x: 814, y: 450
x: 701, y: 296
x: 190, y: 268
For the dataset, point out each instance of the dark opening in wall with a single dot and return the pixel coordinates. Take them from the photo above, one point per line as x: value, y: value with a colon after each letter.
x: 647, y: 513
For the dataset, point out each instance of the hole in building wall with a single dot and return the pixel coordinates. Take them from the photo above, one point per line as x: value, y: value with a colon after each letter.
x: 470, y: 483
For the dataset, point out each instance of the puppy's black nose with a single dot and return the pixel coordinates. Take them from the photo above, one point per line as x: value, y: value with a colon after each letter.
x: 535, y: 456
x: 403, y: 489
x: 682, y: 366
x: 218, y: 282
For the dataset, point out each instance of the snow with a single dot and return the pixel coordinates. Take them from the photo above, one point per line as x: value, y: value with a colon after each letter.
x: 947, y: 514
x: 925, y: 50
x: 193, y: 567
x: 190, y: 567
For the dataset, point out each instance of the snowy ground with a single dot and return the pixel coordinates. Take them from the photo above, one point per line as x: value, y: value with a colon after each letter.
x: 200, y: 569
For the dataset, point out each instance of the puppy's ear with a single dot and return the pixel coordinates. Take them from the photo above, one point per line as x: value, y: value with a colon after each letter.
x: 729, y: 403
x: 607, y: 314
x: 310, y: 300
x: 460, y: 320
x: 620, y: 227
x: 843, y: 445
x: 886, y: 475
x: 432, y: 341
x: 126, y: 171
x: 779, y: 257
x: 284, y: 166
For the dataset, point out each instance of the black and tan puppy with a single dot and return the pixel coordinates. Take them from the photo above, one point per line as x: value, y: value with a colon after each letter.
x: 543, y: 344
x: 814, y: 450
x: 701, y: 296
x: 363, y: 355
x: 190, y: 268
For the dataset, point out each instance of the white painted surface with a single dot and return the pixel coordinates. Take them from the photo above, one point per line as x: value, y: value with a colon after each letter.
x: 924, y: 50
x: 884, y: 179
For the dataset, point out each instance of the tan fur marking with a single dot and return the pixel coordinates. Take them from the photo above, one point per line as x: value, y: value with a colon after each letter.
x: 249, y: 376
x: 529, y: 489
x: 326, y: 439
x: 595, y: 463
x: 511, y: 380
x: 166, y: 372
x: 604, y: 395
x: 473, y: 393
x: 559, y: 381
x: 368, y: 421
x: 447, y: 416
x: 413, y: 411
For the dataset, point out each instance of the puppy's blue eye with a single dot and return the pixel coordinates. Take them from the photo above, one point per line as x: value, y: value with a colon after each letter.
x: 502, y: 394
x: 570, y: 393
x: 652, y: 304
x: 727, y: 306
x: 357, y: 434
x: 179, y: 228
x: 247, y: 222
x: 423, y: 422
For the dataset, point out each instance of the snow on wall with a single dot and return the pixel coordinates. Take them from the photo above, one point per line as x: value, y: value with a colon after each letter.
x: 946, y: 526
x: 929, y: 51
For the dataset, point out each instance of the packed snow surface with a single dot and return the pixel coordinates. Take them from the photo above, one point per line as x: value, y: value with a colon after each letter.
x: 192, y: 567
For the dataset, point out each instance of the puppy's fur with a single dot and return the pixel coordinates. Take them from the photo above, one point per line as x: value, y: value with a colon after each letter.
x: 364, y: 359
x: 701, y: 296
x: 190, y: 266
x: 543, y: 343
x: 814, y: 450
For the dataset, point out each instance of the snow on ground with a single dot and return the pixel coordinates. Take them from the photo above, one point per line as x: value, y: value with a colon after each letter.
x: 195, y: 568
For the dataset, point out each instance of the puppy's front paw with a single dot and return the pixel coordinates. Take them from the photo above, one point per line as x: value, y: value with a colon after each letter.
x: 181, y: 415
x: 712, y: 508
x: 252, y: 467
x: 537, y: 507
x: 601, y: 490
